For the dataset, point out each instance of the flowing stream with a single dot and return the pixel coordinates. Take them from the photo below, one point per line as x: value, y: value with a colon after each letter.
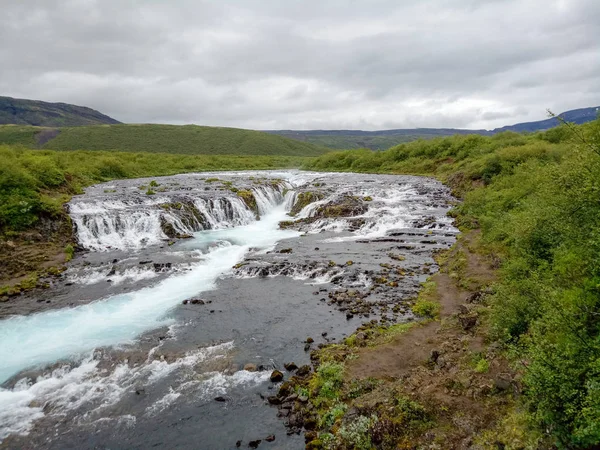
x: 184, y: 280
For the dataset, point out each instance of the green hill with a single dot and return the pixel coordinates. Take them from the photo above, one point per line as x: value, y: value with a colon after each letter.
x: 187, y: 139
x: 34, y: 112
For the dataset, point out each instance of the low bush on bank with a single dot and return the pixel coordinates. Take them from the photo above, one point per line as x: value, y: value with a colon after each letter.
x: 536, y: 199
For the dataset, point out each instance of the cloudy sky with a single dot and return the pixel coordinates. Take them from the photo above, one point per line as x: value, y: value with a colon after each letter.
x: 305, y: 64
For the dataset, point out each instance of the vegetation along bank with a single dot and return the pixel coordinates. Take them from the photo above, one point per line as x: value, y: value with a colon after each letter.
x: 508, y: 353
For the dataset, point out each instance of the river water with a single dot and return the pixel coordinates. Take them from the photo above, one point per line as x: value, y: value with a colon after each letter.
x: 116, y: 355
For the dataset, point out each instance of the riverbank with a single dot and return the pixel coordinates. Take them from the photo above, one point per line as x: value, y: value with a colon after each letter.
x: 438, y: 383
x: 534, y: 200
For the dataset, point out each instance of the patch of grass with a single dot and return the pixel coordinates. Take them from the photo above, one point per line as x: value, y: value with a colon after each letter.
x: 326, y: 385
x: 69, y: 252
x: 427, y: 304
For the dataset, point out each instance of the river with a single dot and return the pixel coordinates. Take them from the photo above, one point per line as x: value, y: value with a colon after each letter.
x: 116, y: 354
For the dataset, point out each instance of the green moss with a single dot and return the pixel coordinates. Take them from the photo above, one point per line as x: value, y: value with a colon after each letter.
x: 249, y: 200
x: 304, y: 199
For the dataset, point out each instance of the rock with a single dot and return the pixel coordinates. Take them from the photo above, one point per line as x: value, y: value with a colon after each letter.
x: 316, y: 249
x: 433, y: 356
x: 276, y: 376
x: 285, y: 250
x: 146, y: 262
x: 250, y: 367
x: 238, y: 444
x: 309, y: 340
x: 475, y: 297
x: 274, y: 400
x: 220, y: 399
x: 310, y: 423
x: 324, y: 333
x: 468, y: 321
x: 270, y: 438
x: 185, y: 302
x: 197, y: 301
x: 463, y: 309
x: 291, y: 398
x: 303, y: 371
x: 306, y: 347
x: 290, y: 367
x: 303, y: 399
x: 112, y: 272
x: 254, y: 444
x: 349, y: 316
x: 503, y: 382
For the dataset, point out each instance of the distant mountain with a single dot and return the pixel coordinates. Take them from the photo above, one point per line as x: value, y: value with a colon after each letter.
x: 384, y: 139
x: 577, y: 116
x: 33, y: 112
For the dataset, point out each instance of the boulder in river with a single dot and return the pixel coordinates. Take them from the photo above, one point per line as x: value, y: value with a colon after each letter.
x: 276, y: 376
x: 290, y: 367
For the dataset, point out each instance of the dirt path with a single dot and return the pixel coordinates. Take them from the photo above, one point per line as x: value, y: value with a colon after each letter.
x: 446, y: 364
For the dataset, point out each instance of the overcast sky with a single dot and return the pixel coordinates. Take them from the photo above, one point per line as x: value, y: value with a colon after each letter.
x: 305, y: 64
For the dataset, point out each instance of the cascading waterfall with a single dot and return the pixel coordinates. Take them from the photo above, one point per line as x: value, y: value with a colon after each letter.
x: 134, y: 224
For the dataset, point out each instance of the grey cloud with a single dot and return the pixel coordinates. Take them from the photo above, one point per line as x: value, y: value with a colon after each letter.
x: 306, y: 64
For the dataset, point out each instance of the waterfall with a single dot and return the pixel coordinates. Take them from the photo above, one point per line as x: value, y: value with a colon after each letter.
x: 131, y: 224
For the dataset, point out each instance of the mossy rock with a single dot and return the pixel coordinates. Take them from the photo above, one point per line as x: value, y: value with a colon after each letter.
x: 249, y: 200
x: 344, y: 206
x: 304, y: 199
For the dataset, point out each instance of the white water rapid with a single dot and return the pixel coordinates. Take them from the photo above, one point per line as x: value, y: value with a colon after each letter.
x: 72, y: 333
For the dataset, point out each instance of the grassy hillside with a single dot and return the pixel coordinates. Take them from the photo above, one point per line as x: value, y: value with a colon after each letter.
x: 38, y: 113
x: 535, y: 201
x: 187, y: 139
x: 374, y: 140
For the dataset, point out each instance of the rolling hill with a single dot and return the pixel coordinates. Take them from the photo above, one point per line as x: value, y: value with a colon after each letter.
x: 184, y: 139
x: 34, y: 112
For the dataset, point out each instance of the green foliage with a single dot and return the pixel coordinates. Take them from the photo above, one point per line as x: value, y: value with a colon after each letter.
x: 356, y: 435
x: 327, y: 383
x: 69, y: 252
x: 188, y: 139
x: 427, y: 304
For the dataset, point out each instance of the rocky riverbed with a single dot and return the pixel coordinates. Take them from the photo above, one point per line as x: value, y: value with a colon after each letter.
x: 187, y: 292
